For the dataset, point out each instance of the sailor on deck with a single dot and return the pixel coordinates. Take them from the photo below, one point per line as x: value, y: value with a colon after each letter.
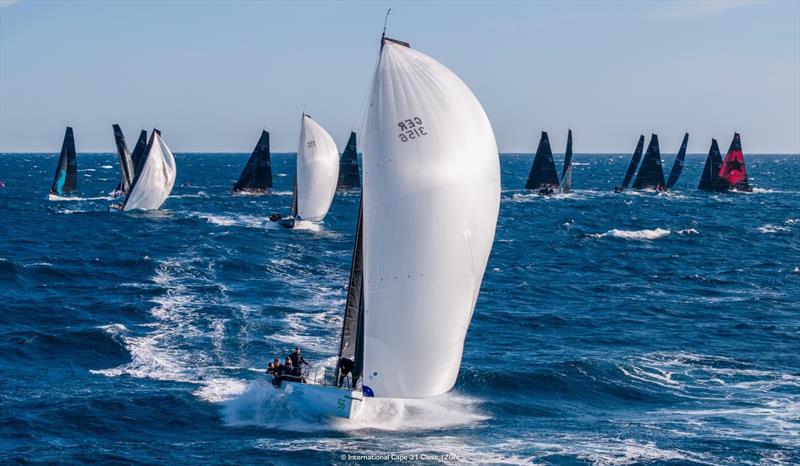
x: 297, y: 359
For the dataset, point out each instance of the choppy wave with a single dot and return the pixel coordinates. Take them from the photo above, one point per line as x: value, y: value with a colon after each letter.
x: 639, y: 235
x: 770, y: 228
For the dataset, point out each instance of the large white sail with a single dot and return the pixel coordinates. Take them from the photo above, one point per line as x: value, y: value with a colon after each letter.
x: 154, y: 182
x: 317, y: 171
x: 430, y: 203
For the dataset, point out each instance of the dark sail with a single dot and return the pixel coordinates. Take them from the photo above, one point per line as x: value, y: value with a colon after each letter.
x: 566, y: 174
x: 138, y: 153
x: 733, y: 174
x: 351, y: 347
x: 348, y: 166
x: 677, y: 167
x: 543, y: 171
x: 651, y: 173
x: 637, y: 157
x: 124, y: 159
x: 711, y: 169
x: 257, y: 174
x: 66, y: 177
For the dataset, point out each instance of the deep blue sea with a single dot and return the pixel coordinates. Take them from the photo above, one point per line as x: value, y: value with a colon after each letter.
x: 610, y: 329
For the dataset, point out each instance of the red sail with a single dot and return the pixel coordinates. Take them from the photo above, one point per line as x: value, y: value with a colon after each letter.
x: 733, y: 171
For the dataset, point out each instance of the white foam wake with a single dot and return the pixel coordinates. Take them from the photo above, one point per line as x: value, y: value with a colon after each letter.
x: 640, y: 235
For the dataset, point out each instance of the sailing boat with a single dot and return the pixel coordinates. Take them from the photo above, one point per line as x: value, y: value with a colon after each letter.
x: 651, y: 173
x: 566, y: 173
x: 65, y: 180
x: 413, y: 287
x: 677, y: 167
x: 125, y: 162
x: 543, y: 174
x: 348, y: 166
x: 733, y: 174
x: 316, y: 175
x: 637, y: 157
x: 257, y: 174
x: 155, y: 177
x: 709, y: 178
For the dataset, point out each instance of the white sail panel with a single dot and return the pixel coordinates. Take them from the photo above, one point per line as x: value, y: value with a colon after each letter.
x: 154, y: 183
x: 317, y: 171
x: 431, y: 199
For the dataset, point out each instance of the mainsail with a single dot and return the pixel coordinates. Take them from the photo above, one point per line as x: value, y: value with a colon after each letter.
x: 155, y: 179
x: 431, y: 196
x: 351, y: 346
x: 733, y: 174
x: 317, y: 171
x: 677, y: 167
x: 709, y: 178
x: 138, y: 152
x: 66, y: 177
x: 566, y: 173
x: 124, y: 159
x: 257, y: 174
x: 651, y: 173
x: 637, y: 157
x: 543, y: 171
x: 348, y: 166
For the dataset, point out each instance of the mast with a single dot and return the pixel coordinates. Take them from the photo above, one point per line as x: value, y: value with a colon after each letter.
x: 65, y: 179
x: 637, y: 156
x: 710, y: 175
x: 566, y: 173
x: 351, y: 347
x: 651, y: 173
x: 677, y: 167
x: 543, y: 170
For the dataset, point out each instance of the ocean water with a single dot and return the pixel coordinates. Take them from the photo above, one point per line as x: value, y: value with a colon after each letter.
x: 610, y: 329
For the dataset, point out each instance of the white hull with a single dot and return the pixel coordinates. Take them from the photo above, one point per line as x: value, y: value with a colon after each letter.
x: 326, y: 400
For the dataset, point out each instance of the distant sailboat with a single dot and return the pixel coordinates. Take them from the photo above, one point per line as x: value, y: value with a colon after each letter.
x: 155, y: 178
x: 412, y: 291
x: 257, y: 174
x: 677, y: 167
x: 543, y: 174
x: 348, y: 166
x: 138, y: 153
x: 651, y: 173
x: 316, y: 175
x: 125, y: 162
x: 66, y: 177
x: 566, y: 173
x: 709, y: 178
x: 637, y: 157
x: 733, y: 174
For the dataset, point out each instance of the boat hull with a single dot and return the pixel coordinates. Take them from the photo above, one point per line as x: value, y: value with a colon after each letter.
x: 326, y: 400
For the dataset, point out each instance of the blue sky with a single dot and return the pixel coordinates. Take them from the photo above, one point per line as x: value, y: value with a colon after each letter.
x: 212, y: 74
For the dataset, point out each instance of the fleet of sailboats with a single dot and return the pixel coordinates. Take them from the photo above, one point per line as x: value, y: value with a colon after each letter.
x: 650, y: 173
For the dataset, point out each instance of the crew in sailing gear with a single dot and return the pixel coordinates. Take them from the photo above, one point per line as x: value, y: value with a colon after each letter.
x: 296, y: 359
x: 346, y: 366
x: 617, y: 189
x: 274, y: 217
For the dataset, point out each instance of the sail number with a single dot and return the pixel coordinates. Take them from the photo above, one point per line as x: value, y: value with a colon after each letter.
x: 341, y: 403
x: 311, y: 143
x: 411, y: 129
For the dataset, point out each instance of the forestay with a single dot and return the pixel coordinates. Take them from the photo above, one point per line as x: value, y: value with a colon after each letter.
x: 431, y: 194
x: 317, y: 171
x: 155, y: 179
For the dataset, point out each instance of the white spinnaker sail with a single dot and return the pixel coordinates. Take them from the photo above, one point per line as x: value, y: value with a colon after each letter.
x: 431, y: 198
x: 154, y: 183
x: 317, y: 171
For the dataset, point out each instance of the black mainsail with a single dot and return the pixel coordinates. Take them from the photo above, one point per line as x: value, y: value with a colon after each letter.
x: 256, y: 176
x: 637, y: 157
x: 677, y: 167
x: 348, y: 166
x: 125, y: 162
x: 651, y: 173
x: 566, y: 173
x: 138, y: 153
x: 351, y: 347
x: 710, y: 175
x: 66, y: 177
x: 543, y: 171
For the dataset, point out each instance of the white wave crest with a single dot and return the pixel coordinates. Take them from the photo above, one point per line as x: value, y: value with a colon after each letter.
x: 770, y: 228
x: 640, y: 235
